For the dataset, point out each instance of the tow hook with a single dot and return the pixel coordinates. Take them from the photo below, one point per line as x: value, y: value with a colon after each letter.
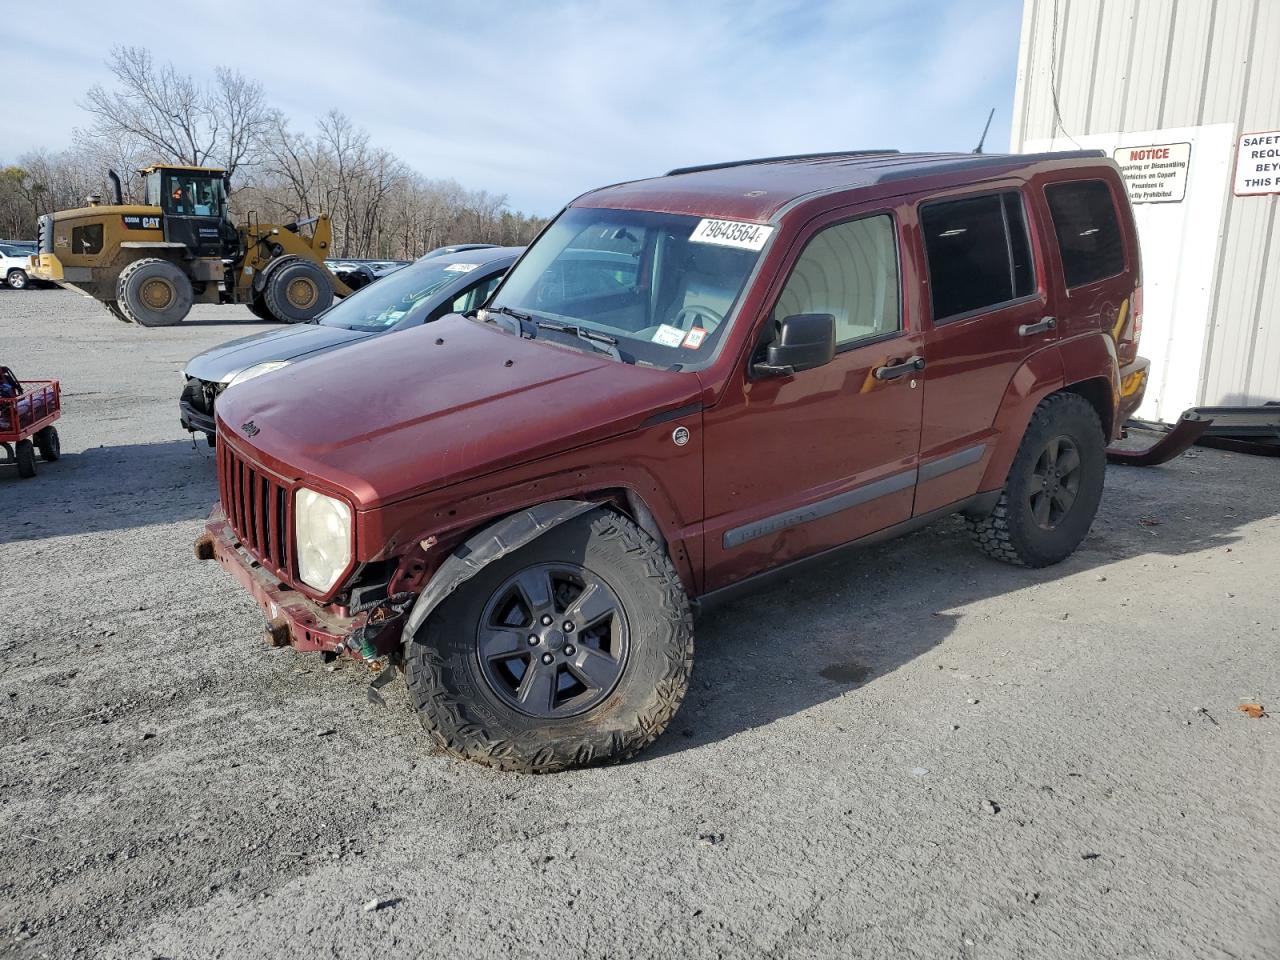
x: 204, y: 547
x: 277, y: 633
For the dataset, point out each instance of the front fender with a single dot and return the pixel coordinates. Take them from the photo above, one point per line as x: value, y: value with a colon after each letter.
x: 481, y: 549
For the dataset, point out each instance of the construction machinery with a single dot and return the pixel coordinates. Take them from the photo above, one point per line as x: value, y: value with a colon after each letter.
x: 149, y: 262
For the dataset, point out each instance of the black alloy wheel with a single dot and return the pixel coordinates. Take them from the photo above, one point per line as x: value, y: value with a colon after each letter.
x: 553, y: 640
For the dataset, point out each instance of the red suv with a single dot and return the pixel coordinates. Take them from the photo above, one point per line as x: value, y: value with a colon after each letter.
x: 686, y: 385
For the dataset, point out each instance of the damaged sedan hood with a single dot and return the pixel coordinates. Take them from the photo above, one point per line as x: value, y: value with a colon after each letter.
x: 396, y: 416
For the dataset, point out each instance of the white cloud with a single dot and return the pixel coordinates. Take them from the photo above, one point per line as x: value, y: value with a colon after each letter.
x: 542, y: 101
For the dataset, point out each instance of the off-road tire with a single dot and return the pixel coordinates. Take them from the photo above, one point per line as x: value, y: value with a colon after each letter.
x: 49, y: 444
x: 1010, y: 533
x: 296, y: 290
x: 154, y: 293
x: 113, y: 308
x: 17, y: 279
x: 258, y: 307
x: 25, y: 454
x: 460, y: 710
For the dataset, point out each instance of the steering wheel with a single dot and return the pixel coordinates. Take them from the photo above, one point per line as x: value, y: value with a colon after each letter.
x: 711, y: 318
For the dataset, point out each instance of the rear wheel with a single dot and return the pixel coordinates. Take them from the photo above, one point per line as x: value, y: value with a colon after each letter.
x: 258, y: 307
x: 16, y: 279
x: 113, y: 308
x: 154, y: 293
x: 25, y: 454
x: 49, y: 444
x: 571, y: 651
x: 1054, y: 487
x: 297, y: 290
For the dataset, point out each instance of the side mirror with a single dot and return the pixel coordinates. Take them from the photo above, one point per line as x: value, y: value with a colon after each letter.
x: 803, y: 341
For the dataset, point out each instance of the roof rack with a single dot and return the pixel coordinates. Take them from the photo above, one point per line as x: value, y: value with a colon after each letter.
x: 795, y: 156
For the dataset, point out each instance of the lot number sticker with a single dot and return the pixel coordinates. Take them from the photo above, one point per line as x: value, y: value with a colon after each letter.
x: 731, y: 233
x: 1258, y: 164
x: 694, y: 340
x: 460, y: 267
x: 668, y: 335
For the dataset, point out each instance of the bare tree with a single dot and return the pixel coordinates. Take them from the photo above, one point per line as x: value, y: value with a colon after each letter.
x: 178, y: 118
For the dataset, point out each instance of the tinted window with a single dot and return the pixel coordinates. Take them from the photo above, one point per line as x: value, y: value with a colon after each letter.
x: 851, y: 272
x: 979, y: 254
x: 1084, y: 218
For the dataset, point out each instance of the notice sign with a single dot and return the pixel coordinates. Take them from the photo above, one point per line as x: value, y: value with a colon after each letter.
x: 1258, y: 164
x: 1156, y: 173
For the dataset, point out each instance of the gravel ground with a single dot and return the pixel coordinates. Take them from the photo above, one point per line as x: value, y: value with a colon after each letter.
x: 918, y: 752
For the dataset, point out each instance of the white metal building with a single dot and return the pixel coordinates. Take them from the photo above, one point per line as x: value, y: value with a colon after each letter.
x: 1185, y: 94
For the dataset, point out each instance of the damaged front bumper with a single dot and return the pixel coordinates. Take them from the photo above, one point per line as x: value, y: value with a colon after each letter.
x: 293, y: 619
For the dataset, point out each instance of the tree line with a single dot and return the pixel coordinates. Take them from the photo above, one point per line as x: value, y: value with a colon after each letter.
x: 380, y: 206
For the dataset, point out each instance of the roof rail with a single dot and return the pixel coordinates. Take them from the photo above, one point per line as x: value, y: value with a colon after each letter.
x: 795, y: 156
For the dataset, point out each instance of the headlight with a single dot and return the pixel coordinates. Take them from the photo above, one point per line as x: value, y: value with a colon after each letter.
x: 322, y: 527
x: 257, y: 370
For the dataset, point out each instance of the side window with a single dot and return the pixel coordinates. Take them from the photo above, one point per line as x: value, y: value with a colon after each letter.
x: 978, y: 251
x: 1084, y: 219
x: 849, y: 270
x: 475, y: 295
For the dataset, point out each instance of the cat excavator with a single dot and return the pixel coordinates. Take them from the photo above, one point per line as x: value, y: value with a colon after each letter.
x: 149, y: 262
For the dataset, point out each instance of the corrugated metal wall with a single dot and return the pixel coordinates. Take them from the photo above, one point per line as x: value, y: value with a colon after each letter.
x: 1149, y: 64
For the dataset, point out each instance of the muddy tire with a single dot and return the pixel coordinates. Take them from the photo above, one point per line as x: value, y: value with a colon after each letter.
x: 1053, y: 490
x: 25, y: 454
x: 49, y: 444
x: 297, y: 290
x: 574, y: 650
x: 154, y: 293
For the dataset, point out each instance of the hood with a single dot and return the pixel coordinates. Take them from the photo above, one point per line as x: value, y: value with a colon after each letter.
x: 287, y: 343
x: 397, y: 416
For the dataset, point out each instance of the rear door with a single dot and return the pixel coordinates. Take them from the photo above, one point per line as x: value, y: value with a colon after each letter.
x: 989, y: 312
x: 800, y: 464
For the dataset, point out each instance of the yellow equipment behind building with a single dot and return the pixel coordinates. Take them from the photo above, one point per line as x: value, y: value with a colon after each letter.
x: 148, y: 263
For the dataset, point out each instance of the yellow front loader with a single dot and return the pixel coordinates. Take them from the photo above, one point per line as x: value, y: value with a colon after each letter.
x: 148, y: 263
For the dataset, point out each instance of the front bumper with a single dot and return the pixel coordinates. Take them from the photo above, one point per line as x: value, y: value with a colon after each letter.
x: 195, y: 406
x: 310, y: 627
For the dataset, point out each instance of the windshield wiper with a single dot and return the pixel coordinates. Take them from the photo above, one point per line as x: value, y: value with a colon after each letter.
x: 599, y: 341
x: 526, y: 327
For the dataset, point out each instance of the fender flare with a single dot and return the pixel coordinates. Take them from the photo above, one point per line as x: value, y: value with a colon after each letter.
x: 481, y: 549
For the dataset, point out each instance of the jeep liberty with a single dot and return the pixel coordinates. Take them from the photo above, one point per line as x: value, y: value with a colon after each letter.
x: 685, y: 386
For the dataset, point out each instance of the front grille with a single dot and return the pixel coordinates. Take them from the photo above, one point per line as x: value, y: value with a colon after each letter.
x: 259, y: 509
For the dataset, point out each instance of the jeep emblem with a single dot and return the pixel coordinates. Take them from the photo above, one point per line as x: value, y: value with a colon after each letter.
x: 680, y: 436
x: 251, y: 429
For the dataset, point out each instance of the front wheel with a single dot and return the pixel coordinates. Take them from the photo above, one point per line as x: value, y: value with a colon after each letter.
x: 1054, y: 487
x: 297, y: 290
x: 25, y: 454
x: 574, y: 650
x: 17, y: 279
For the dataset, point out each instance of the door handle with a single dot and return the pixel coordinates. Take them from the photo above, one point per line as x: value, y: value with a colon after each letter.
x: 893, y: 371
x: 1030, y: 329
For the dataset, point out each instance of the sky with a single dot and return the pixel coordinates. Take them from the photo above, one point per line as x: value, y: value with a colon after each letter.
x: 544, y: 100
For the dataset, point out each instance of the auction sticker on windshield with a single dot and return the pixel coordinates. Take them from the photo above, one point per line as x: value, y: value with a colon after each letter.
x: 668, y: 335
x: 731, y: 233
x: 461, y: 267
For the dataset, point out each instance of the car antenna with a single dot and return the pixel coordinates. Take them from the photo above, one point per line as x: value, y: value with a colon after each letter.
x: 983, y: 138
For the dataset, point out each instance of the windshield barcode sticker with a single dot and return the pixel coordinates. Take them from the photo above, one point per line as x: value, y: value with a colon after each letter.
x: 731, y: 233
x: 460, y: 267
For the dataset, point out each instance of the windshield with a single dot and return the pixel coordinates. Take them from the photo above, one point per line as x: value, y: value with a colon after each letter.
x: 406, y: 295
x: 187, y: 193
x: 661, y: 284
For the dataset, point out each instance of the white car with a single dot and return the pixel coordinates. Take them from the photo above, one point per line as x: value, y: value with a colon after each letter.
x: 13, y: 265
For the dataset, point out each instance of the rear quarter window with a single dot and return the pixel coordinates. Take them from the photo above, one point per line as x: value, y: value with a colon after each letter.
x: 1088, y: 230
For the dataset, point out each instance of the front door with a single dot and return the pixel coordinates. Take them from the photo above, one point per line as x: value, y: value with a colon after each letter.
x: 796, y: 465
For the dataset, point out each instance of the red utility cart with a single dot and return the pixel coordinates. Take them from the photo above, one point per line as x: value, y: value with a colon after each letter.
x: 28, y: 409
